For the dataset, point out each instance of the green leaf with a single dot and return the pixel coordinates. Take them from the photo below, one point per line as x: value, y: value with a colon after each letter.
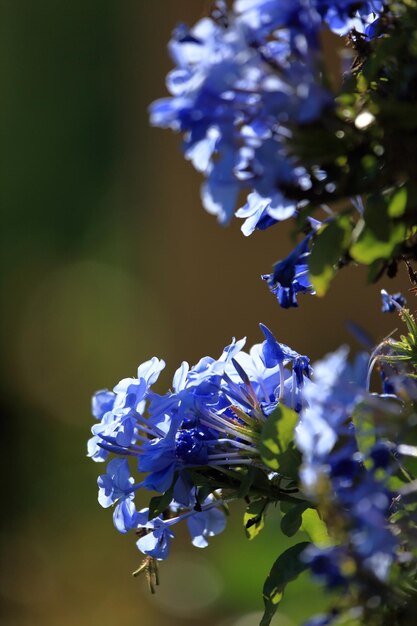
x: 277, y: 436
x: 254, y: 517
x: 286, y: 568
x: 253, y: 477
x: 370, y: 245
x: 329, y: 246
x: 159, y: 504
x: 379, y: 235
x: 292, y: 520
x: 315, y: 528
x: 398, y: 203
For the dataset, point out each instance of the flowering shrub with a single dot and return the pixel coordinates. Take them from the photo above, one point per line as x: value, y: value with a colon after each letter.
x: 260, y: 119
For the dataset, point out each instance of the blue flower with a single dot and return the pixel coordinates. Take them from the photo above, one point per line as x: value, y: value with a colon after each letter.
x: 275, y: 353
x: 205, y: 524
x: 290, y: 276
x: 116, y: 483
x: 156, y: 541
x: 320, y: 620
x: 326, y: 437
x: 157, y: 534
x: 233, y: 94
x: 119, y: 412
x: 102, y: 402
x: 261, y: 212
x: 267, y: 16
x: 344, y: 15
x: 392, y: 302
x: 329, y: 400
x: 327, y: 564
x: 124, y: 515
x: 211, y: 418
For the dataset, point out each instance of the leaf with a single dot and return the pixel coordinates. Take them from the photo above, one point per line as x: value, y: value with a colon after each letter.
x: 159, y: 504
x: 292, y: 520
x: 286, y: 568
x: 315, y: 528
x: 371, y: 246
x: 277, y: 436
x: 398, y: 203
x: 254, y: 517
x: 252, y: 476
x: 380, y: 235
x: 329, y: 246
x: 289, y: 463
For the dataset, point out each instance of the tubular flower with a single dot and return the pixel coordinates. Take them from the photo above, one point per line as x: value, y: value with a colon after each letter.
x: 234, y: 93
x: 211, y: 418
x: 327, y: 438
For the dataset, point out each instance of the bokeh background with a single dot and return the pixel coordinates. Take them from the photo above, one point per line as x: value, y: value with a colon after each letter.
x: 107, y: 260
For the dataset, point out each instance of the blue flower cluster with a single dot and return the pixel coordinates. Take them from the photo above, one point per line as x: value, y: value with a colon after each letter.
x: 354, y: 485
x: 235, y: 92
x: 340, y: 16
x: 211, y: 418
x: 243, y: 79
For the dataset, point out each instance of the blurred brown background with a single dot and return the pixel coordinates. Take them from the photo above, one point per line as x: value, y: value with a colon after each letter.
x: 109, y: 259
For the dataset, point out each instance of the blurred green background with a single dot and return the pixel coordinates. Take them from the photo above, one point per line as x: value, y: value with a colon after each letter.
x: 109, y: 259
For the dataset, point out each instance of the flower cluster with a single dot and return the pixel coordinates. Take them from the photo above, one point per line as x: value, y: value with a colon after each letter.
x: 251, y: 97
x: 235, y: 92
x: 354, y: 484
x: 212, y: 418
x: 243, y: 79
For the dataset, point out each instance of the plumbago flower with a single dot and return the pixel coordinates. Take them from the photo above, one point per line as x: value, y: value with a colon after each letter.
x: 391, y: 302
x: 234, y: 94
x: 263, y: 425
x: 250, y: 95
x: 355, y: 467
x: 334, y: 466
x: 211, y: 420
x: 244, y: 78
x: 340, y: 15
x: 291, y: 275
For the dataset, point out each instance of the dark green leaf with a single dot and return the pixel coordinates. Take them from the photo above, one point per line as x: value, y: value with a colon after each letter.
x: 204, y: 492
x: 159, y: 504
x: 289, y: 463
x: 253, y: 477
x: 286, y: 568
x: 292, y: 520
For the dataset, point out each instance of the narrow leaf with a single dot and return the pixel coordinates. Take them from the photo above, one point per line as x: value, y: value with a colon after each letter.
x: 286, y: 568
